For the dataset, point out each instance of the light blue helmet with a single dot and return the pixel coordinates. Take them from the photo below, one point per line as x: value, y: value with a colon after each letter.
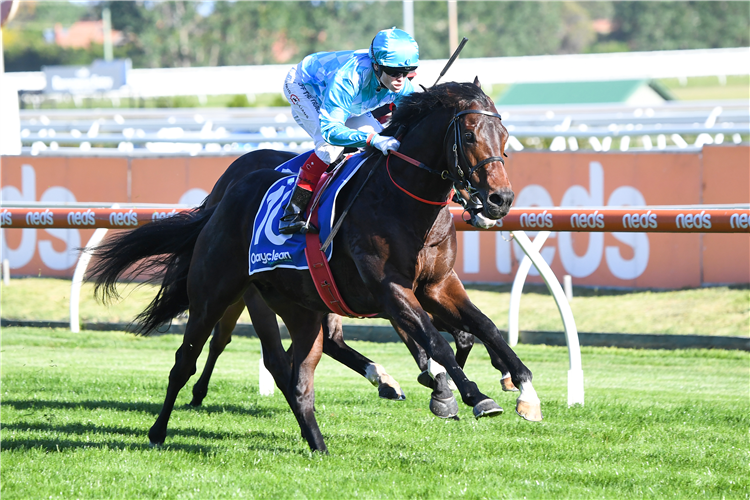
x: 394, y: 48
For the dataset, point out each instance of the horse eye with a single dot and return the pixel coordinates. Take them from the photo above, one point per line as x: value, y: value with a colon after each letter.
x: 469, y: 136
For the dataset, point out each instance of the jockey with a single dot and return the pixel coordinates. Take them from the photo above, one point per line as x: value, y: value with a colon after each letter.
x: 332, y: 95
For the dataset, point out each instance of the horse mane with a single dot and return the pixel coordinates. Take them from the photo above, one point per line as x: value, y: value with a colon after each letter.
x: 449, y: 95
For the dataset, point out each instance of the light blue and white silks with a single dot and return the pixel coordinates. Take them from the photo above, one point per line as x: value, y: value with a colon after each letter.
x: 268, y: 248
x: 345, y: 85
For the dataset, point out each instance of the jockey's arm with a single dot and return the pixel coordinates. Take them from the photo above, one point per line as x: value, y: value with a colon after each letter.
x: 334, y: 111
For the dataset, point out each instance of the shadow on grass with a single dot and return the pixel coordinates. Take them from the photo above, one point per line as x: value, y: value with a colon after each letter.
x: 50, y: 445
x: 105, y: 437
x: 153, y: 408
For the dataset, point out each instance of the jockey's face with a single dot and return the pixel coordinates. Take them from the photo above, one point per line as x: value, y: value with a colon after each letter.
x: 392, y: 83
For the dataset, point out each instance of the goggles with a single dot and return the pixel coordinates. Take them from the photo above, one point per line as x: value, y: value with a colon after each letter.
x: 398, y: 72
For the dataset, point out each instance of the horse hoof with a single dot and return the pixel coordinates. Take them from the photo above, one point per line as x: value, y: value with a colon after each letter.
x: 487, y: 408
x: 392, y: 393
x: 507, y: 385
x: 425, y: 379
x: 444, y: 408
x: 529, y: 411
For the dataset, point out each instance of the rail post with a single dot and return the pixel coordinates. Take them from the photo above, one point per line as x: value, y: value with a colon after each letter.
x: 575, y: 370
x: 78, y: 275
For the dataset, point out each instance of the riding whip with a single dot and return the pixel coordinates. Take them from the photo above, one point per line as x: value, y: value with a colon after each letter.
x: 451, y: 60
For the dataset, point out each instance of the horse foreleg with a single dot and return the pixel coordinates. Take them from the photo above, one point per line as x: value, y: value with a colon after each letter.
x: 419, y: 355
x: 449, y: 301
x: 221, y: 338
x: 335, y: 347
x: 505, y: 381
x: 407, y: 314
x: 442, y: 402
x: 464, y: 343
x: 464, y: 340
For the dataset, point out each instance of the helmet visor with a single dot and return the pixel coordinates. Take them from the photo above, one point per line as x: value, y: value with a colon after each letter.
x: 398, y: 72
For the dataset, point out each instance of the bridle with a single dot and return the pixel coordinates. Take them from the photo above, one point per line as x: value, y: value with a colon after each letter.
x: 462, y: 180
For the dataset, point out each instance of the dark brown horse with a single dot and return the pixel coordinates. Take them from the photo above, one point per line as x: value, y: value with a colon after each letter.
x: 333, y: 336
x: 394, y: 257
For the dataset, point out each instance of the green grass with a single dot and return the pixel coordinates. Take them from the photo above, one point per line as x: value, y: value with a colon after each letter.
x: 656, y: 424
x: 709, y: 87
x: 704, y: 311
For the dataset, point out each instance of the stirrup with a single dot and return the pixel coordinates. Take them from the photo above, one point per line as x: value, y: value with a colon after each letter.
x: 296, y: 224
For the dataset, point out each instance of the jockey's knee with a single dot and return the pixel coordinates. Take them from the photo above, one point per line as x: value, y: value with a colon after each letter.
x: 327, y: 152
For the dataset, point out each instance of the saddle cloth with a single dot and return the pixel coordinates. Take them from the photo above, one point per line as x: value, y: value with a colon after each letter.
x: 268, y: 248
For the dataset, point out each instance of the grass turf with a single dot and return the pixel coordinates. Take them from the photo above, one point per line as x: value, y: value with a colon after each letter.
x: 656, y: 424
x: 704, y: 311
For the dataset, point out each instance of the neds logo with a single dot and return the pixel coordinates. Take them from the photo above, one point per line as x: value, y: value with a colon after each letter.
x: 640, y: 220
x: 128, y: 218
x: 697, y: 221
x: 6, y: 219
x: 587, y: 220
x: 163, y: 215
x: 81, y: 218
x: 39, y: 218
x: 737, y: 220
x: 541, y: 220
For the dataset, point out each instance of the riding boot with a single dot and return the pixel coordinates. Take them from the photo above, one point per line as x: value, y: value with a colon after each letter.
x: 293, y: 219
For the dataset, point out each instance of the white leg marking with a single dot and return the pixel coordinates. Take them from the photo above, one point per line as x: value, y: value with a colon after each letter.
x: 528, y: 394
x: 434, y: 368
x: 374, y: 372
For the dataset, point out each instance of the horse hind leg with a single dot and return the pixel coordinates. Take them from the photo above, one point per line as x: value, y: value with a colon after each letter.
x: 197, y: 332
x: 306, y: 332
x: 221, y: 338
x: 216, y: 280
x: 335, y: 347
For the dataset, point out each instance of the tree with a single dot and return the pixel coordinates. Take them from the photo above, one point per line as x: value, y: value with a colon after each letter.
x: 687, y: 25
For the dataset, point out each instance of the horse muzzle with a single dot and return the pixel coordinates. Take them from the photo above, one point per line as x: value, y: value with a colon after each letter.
x: 497, y: 205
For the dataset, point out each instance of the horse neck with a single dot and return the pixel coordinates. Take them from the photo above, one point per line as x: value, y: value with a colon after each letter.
x: 425, y: 143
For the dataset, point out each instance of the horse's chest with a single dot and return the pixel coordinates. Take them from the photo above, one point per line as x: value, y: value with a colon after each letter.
x: 433, y: 263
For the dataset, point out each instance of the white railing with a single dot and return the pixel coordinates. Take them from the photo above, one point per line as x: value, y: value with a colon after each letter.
x: 136, y: 132
x: 204, y: 81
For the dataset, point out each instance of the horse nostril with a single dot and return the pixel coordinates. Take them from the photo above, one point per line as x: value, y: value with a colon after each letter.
x: 504, y: 198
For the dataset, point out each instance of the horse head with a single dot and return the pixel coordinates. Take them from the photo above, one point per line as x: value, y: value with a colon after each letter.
x: 476, y: 139
x: 471, y: 157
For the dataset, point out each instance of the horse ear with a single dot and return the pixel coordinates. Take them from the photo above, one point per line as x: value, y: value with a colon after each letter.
x: 476, y: 82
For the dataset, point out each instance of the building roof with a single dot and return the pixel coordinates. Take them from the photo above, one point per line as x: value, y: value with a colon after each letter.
x: 634, y: 92
x: 82, y: 33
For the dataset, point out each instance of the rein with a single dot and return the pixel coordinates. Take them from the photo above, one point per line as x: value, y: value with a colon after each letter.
x: 417, y: 164
x: 463, y: 181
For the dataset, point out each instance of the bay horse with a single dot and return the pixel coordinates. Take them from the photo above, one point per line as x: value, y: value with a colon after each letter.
x: 394, y: 257
x: 333, y: 337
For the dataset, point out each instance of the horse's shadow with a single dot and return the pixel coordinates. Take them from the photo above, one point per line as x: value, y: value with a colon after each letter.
x: 152, y: 408
x: 105, y: 436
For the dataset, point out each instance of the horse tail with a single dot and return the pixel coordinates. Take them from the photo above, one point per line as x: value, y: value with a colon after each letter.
x: 161, y: 250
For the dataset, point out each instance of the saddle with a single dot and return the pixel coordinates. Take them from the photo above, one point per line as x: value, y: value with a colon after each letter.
x: 269, y: 249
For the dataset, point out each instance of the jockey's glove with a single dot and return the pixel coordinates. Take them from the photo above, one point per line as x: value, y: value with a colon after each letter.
x: 385, y: 144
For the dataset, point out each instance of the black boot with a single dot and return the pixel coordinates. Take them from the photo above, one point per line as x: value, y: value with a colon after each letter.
x: 293, y: 220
